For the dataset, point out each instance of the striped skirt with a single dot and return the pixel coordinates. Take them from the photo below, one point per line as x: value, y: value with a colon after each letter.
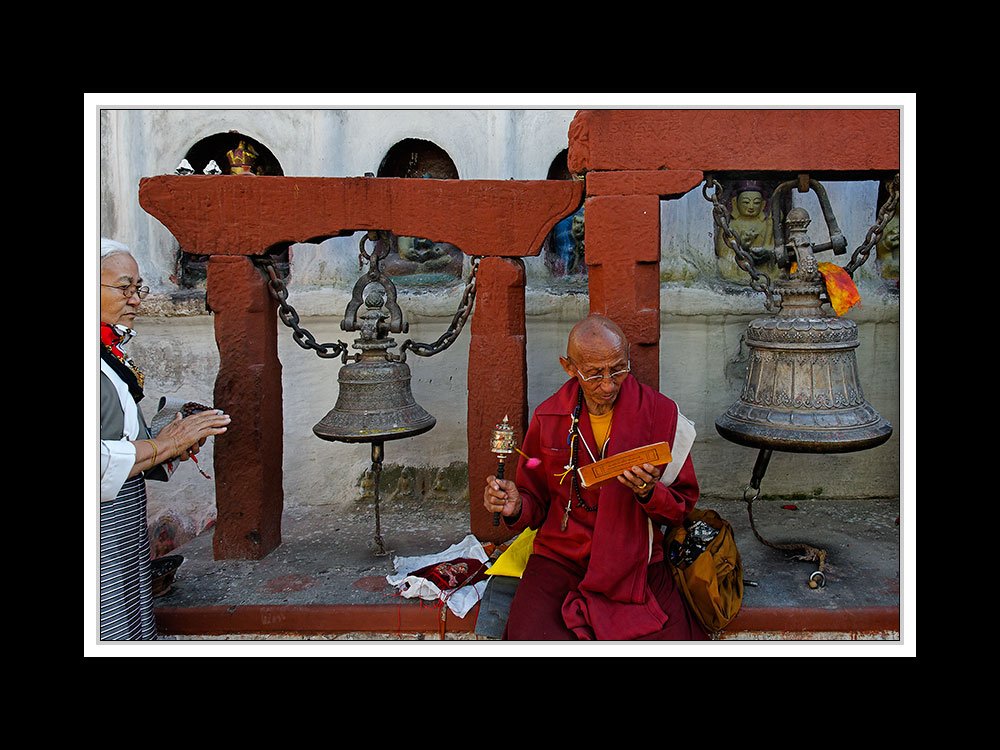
x: 126, y: 585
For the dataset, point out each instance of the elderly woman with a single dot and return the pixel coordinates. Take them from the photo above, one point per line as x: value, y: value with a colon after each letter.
x: 127, y: 451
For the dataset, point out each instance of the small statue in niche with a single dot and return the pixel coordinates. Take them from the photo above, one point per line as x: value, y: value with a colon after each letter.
x: 242, y: 159
x: 577, y: 232
x: 566, y: 254
x: 430, y: 256
x: 367, y: 483
x: 440, y: 479
x: 405, y: 489
x: 751, y: 223
x: 440, y: 489
x: 887, y: 250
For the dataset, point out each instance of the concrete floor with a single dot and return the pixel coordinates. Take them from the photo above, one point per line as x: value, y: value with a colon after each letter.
x: 326, y: 580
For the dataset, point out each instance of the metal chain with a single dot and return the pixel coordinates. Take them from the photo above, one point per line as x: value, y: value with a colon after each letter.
x: 378, y: 253
x: 875, y: 233
x: 290, y: 318
x: 306, y: 340
x: 759, y: 280
x: 457, y: 322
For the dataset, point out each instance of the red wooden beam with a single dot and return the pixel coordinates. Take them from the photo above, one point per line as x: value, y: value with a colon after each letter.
x: 245, y: 215
x: 718, y: 140
x: 248, y: 472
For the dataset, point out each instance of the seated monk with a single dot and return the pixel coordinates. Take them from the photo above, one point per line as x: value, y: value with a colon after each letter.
x: 597, y: 570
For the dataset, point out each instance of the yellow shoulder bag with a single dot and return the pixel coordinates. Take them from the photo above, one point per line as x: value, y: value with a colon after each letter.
x: 707, y: 567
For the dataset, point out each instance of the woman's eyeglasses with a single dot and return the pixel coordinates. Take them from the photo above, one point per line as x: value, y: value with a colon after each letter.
x: 129, y: 289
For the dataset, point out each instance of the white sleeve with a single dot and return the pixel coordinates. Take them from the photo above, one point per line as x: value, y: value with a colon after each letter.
x: 117, y: 460
x: 118, y: 456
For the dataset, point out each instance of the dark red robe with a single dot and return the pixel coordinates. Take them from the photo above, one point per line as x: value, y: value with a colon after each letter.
x: 604, y: 576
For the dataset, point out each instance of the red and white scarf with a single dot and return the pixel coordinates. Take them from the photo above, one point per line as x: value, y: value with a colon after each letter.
x: 112, y: 339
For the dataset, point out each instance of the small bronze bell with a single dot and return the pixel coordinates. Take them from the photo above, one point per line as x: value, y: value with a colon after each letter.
x: 375, y: 401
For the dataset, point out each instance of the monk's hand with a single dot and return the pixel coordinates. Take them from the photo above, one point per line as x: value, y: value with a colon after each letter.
x: 501, y: 496
x: 640, y: 479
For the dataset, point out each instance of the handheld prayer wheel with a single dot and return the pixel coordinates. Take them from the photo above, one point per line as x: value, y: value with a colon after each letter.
x: 502, y: 445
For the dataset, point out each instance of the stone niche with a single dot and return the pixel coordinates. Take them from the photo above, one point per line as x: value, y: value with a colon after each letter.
x: 418, y: 262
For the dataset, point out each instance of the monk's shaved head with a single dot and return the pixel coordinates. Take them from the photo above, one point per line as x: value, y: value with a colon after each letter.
x: 597, y: 347
x: 595, y: 332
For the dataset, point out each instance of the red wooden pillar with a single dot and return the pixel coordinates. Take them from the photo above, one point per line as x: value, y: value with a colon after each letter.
x: 498, y: 380
x: 623, y: 259
x: 248, y: 479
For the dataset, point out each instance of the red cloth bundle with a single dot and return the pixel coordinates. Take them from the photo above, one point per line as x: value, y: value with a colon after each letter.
x: 453, y: 573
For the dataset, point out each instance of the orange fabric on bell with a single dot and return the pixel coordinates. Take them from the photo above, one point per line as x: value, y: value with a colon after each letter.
x: 839, y: 287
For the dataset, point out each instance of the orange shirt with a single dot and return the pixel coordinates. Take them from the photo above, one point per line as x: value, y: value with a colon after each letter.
x: 601, y: 425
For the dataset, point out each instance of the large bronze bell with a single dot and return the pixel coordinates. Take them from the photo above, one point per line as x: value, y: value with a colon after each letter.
x: 802, y: 392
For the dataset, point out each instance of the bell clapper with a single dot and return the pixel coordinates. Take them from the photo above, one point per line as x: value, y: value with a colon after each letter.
x: 377, y: 456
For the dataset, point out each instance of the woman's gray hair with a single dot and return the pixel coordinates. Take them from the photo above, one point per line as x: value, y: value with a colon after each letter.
x: 110, y: 247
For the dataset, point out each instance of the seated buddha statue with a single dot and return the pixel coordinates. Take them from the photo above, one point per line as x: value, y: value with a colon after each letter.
x: 751, y: 223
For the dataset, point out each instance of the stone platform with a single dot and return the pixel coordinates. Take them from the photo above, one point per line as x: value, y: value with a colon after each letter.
x: 327, y: 581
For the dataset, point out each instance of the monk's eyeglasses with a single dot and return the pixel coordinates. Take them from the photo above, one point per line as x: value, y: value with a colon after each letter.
x: 616, y: 377
x: 129, y: 289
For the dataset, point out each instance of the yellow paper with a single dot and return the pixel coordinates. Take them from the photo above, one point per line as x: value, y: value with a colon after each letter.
x: 514, y: 559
